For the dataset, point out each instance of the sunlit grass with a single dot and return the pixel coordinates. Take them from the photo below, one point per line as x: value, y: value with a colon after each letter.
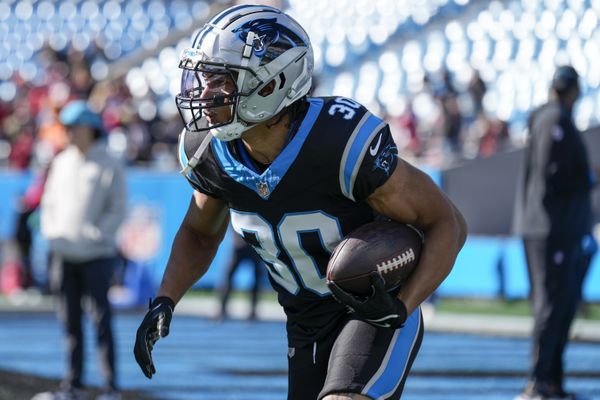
x: 590, y: 311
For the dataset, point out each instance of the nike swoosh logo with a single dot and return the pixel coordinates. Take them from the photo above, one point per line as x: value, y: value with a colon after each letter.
x: 373, y: 150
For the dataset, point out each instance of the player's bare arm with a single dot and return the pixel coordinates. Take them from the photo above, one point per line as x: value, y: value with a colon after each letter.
x: 410, y: 196
x: 195, y: 245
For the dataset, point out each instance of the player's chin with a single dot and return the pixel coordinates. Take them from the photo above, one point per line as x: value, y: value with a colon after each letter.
x: 216, y: 121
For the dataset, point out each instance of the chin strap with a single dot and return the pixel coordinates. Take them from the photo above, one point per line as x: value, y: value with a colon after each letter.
x: 191, y: 164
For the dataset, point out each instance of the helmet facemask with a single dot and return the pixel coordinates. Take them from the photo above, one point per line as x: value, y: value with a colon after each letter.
x: 264, y: 52
x: 209, y: 96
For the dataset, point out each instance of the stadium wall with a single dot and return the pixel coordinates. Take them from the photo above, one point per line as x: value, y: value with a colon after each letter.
x: 489, y: 265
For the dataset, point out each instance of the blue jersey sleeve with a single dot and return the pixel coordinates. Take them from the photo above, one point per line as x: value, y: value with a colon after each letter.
x: 369, y: 158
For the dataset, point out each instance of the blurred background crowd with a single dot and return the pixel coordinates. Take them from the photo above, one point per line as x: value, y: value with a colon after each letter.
x: 455, y: 79
x: 56, y: 52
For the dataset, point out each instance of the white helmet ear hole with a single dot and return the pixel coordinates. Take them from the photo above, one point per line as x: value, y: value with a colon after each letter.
x: 268, y: 89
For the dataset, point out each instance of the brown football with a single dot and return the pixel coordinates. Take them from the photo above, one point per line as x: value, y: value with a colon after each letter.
x: 392, y: 249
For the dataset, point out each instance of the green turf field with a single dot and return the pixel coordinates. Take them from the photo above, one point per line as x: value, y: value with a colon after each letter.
x: 590, y: 311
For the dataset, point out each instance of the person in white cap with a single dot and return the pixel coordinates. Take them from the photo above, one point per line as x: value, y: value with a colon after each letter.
x: 82, y: 207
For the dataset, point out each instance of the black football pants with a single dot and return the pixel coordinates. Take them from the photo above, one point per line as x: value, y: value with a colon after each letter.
x: 93, y: 279
x: 556, y: 271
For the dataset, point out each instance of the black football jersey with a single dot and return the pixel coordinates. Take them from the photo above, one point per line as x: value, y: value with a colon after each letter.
x: 298, y: 209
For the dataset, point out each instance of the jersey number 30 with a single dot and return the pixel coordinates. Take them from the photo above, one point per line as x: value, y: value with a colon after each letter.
x: 288, y: 234
x: 346, y: 107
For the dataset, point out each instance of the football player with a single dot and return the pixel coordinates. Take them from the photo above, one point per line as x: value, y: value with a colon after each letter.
x: 295, y: 174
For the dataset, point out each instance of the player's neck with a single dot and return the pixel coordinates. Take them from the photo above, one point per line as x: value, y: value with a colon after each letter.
x: 264, y: 142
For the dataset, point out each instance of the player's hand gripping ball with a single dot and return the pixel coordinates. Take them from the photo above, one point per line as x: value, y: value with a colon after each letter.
x: 388, y: 248
x: 369, y: 262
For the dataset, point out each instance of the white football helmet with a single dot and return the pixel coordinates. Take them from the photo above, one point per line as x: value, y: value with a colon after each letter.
x: 247, y: 46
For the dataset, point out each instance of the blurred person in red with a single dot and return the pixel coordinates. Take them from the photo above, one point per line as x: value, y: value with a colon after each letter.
x: 82, y: 207
x: 408, y: 122
x: 495, y: 136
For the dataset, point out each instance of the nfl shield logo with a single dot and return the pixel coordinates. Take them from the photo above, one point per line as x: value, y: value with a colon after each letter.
x: 263, y: 189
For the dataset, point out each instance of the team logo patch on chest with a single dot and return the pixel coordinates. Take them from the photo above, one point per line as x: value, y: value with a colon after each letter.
x: 263, y: 189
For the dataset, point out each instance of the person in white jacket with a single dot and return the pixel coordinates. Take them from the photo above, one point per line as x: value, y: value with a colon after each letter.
x: 82, y: 207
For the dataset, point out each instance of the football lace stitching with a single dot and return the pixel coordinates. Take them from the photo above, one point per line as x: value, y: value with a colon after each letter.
x: 396, y: 262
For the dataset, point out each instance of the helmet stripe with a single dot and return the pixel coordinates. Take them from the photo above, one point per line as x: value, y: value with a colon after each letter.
x: 212, y: 23
x: 228, y: 11
x: 258, y: 9
x: 201, y: 35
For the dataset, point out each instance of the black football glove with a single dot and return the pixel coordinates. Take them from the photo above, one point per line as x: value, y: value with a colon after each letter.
x: 154, y: 326
x: 379, y: 309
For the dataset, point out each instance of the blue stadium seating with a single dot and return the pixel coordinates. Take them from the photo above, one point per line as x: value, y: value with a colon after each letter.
x: 376, y: 51
x: 514, y: 44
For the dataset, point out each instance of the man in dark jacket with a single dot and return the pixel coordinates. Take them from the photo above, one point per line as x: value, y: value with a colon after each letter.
x: 556, y: 215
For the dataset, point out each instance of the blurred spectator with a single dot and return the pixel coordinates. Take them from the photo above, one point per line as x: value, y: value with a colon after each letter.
x: 242, y: 251
x: 556, y: 218
x: 51, y: 131
x: 27, y: 221
x: 81, y: 81
x: 28, y: 205
x: 82, y: 206
x: 19, y: 130
x: 448, y: 119
x: 165, y: 133
x: 448, y: 98
x: 134, y: 134
x: 21, y: 150
x: 495, y: 136
x: 405, y: 132
x: 408, y: 123
x: 477, y: 89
